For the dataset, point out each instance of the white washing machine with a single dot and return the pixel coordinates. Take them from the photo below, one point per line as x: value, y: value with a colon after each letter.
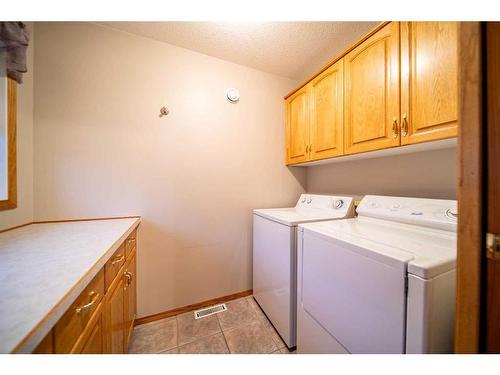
x: 275, y: 255
x: 383, y: 282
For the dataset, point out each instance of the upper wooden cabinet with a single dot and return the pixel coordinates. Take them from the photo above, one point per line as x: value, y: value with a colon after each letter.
x: 429, y: 79
x: 371, y: 85
x: 326, y: 99
x: 315, y: 118
x: 396, y: 86
x: 297, y: 127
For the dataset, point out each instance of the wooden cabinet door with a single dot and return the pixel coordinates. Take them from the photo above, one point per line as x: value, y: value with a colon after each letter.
x: 130, y: 298
x: 429, y: 79
x: 115, y: 317
x: 297, y: 127
x: 46, y: 346
x: 95, y: 341
x: 371, y: 91
x: 327, y: 113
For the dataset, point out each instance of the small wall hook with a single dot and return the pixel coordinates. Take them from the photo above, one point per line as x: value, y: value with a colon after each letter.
x: 164, y: 111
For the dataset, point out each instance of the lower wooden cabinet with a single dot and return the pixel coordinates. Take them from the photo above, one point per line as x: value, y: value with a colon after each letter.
x: 121, y: 308
x: 130, y: 297
x: 74, y: 321
x: 91, y: 341
x: 101, y: 319
x: 95, y: 342
x: 46, y: 346
x: 115, y: 317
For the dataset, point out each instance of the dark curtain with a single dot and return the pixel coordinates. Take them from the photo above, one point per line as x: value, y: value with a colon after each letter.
x: 14, y: 39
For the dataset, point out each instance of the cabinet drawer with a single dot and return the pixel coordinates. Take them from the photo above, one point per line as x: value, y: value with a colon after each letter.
x: 74, y: 320
x: 131, y: 243
x: 114, y: 264
x: 91, y: 341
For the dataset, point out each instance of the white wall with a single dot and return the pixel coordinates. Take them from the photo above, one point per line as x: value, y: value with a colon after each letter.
x: 429, y: 174
x: 24, y: 212
x: 194, y: 176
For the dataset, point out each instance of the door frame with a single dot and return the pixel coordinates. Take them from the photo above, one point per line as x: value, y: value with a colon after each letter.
x: 490, y: 324
x: 470, y: 163
x: 477, y: 328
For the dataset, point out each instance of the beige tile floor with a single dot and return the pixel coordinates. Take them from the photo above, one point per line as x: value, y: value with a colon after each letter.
x: 242, y: 329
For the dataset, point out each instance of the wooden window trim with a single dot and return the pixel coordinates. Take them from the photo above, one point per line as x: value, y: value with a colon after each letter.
x: 11, y: 201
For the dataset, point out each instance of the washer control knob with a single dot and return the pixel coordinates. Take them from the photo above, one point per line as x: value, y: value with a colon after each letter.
x: 451, y: 213
x: 309, y: 200
x: 396, y: 205
x: 338, y: 203
x: 303, y: 199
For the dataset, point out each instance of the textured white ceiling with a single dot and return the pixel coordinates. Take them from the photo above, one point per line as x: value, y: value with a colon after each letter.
x: 289, y: 49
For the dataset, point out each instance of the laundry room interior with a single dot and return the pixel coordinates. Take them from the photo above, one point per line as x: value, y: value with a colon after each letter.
x: 203, y: 187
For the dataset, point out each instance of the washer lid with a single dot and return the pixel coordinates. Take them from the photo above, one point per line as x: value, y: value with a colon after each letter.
x: 311, y: 208
x: 427, y: 252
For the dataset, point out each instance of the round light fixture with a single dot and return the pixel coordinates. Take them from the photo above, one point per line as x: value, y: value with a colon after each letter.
x: 232, y: 95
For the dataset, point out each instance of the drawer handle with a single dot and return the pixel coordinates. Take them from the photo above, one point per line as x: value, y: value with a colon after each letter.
x: 88, y: 305
x: 118, y: 260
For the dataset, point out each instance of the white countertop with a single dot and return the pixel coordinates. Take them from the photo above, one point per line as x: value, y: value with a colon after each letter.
x: 43, y: 269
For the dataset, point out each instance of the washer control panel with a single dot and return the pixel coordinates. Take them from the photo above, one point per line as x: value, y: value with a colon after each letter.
x: 324, y: 202
x: 435, y: 213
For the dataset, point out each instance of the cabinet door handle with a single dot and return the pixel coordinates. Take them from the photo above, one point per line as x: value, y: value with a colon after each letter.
x: 404, y: 126
x: 78, y: 310
x: 128, y: 275
x: 118, y: 260
x: 307, y: 148
x: 394, y: 127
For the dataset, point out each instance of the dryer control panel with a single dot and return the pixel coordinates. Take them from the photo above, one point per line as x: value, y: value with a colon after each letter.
x: 433, y: 213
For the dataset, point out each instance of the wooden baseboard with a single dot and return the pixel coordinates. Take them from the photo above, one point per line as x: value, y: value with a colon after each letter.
x: 195, y: 306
